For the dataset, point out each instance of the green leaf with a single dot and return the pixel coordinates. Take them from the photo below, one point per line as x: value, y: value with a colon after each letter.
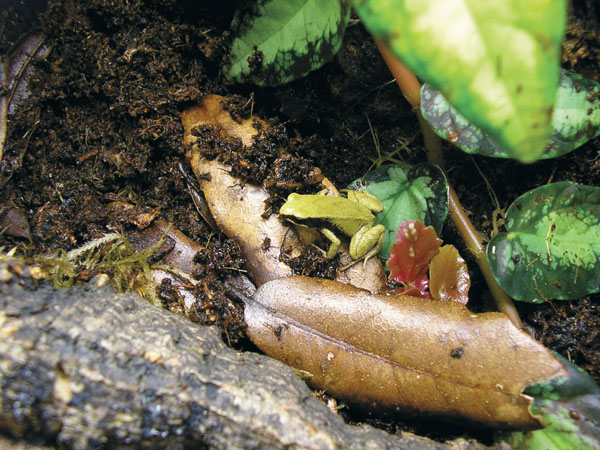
x: 278, y: 41
x: 576, y: 119
x: 569, y: 407
x: 418, y: 193
x: 551, y: 249
x: 496, y: 61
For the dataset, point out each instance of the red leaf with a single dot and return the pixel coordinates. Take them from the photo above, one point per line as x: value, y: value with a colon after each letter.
x: 410, y: 255
x: 449, y: 276
x: 416, y: 288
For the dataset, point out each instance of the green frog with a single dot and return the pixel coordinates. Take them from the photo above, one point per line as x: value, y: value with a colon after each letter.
x: 352, y: 216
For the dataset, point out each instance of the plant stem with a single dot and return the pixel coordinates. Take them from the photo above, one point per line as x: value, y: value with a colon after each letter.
x: 411, y: 89
x: 3, y: 113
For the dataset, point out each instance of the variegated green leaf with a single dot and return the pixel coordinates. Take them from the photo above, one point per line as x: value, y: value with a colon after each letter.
x: 551, y: 249
x: 278, y: 41
x: 496, y: 61
x: 576, y: 119
x: 419, y: 193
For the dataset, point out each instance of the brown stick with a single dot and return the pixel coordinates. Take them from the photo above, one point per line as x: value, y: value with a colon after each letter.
x: 411, y: 88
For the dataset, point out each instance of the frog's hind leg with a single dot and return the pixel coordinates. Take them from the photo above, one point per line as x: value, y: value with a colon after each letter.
x: 375, y: 250
x: 367, y: 242
x: 335, y: 243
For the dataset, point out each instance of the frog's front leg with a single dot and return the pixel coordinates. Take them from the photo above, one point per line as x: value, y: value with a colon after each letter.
x: 367, y: 242
x: 335, y: 243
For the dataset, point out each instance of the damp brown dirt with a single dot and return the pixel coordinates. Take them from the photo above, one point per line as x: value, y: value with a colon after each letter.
x: 103, y: 125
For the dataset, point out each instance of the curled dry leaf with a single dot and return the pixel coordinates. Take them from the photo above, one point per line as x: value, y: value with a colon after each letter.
x: 15, y: 68
x: 449, y: 276
x: 385, y: 352
x: 179, y: 250
x: 238, y: 207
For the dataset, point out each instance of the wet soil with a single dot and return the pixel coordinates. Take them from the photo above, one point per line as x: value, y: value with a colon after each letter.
x: 102, y: 126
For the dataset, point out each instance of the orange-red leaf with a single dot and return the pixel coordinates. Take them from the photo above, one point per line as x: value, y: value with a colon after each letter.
x: 449, y: 276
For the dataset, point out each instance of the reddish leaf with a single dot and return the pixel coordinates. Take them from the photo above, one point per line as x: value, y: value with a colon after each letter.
x: 449, y: 276
x: 410, y: 255
x: 416, y: 288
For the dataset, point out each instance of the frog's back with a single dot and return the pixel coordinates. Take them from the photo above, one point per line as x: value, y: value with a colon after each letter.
x: 343, y: 214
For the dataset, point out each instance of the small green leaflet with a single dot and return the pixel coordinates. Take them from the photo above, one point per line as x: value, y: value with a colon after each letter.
x: 576, y: 119
x: 551, y: 249
x: 278, y: 41
x: 496, y: 61
x: 569, y: 407
x: 419, y: 193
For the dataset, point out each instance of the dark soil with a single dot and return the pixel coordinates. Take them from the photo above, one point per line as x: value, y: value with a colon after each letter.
x: 102, y: 126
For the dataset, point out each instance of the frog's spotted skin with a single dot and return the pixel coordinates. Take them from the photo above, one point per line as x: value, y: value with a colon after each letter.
x: 352, y: 216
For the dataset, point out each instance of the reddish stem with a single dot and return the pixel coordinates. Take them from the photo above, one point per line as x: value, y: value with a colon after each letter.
x: 411, y: 89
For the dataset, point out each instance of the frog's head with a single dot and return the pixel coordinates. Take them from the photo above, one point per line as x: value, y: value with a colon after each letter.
x: 291, y: 207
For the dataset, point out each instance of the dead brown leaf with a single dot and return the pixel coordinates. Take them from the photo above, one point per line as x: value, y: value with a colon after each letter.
x: 141, y: 217
x: 386, y: 352
x: 176, y: 252
x: 13, y: 221
x: 238, y: 208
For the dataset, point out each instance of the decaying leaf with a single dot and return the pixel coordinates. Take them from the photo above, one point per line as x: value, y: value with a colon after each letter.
x: 386, y: 352
x: 15, y: 68
x: 237, y: 208
x: 449, y: 276
x: 177, y: 252
x: 13, y: 221
x: 140, y: 216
